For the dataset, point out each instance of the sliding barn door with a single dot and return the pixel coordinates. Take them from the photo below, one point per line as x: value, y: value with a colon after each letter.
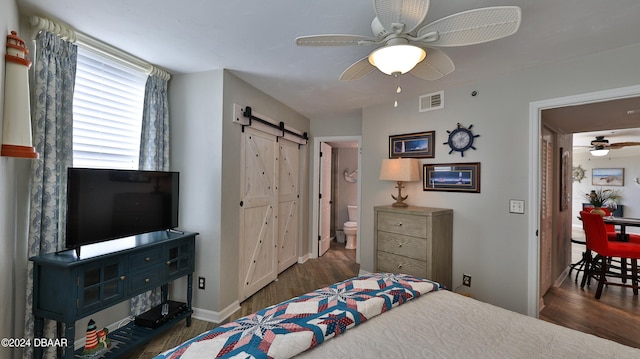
x: 258, y: 211
x: 288, y: 198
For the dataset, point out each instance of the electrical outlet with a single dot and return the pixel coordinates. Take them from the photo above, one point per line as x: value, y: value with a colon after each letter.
x: 466, y: 280
x: 200, y: 282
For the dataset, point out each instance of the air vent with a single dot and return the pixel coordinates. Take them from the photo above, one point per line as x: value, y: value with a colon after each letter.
x: 432, y: 101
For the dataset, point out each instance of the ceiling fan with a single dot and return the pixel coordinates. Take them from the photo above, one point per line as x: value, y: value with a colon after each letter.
x: 410, y: 46
x: 600, y: 143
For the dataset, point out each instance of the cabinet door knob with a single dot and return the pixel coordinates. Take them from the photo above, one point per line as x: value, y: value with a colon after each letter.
x: 399, y: 245
x: 123, y: 277
x: 148, y: 259
x: 400, y: 223
x: 168, y: 263
x: 399, y: 266
x: 146, y: 280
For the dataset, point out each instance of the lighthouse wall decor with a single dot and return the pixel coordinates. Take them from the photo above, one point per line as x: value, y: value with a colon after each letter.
x: 16, y: 129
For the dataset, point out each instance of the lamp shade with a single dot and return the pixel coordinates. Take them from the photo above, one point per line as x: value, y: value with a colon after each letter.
x: 396, y: 58
x: 400, y: 169
x: 16, y: 130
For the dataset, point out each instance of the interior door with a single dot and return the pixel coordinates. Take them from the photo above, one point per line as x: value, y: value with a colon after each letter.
x: 258, y: 211
x: 546, y: 212
x: 325, y: 199
x: 288, y: 197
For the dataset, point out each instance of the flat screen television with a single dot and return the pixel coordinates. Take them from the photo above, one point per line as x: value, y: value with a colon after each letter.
x: 105, y: 204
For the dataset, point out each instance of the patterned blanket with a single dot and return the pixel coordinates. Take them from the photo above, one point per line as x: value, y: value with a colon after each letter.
x: 291, y: 327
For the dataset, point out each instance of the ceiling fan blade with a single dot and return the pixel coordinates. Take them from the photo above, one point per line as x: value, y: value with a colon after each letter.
x: 357, y: 70
x: 473, y: 26
x: 334, y: 40
x: 436, y: 65
x: 411, y: 13
x: 618, y: 145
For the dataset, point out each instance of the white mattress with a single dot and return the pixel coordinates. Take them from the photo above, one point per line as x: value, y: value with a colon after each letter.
x: 447, y: 325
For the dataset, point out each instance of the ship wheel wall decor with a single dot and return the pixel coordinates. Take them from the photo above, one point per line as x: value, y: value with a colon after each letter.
x: 461, y: 139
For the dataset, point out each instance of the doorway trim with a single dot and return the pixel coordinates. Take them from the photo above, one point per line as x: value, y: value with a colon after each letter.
x: 315, y: 194
x: 535, y: 131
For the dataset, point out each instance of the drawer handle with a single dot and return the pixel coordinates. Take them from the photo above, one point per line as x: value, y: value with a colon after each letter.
x: 146, y: 280
x: 123, y: 278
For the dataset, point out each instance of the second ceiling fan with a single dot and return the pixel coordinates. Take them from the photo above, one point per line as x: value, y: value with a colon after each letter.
x: 410, y: 46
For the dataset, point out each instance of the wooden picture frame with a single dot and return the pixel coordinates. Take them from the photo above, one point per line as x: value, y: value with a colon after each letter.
x: 451, y: 177
x: 607, y: 176
x: 412, y: 145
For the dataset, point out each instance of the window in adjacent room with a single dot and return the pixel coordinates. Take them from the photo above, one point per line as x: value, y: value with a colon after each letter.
x: 107, y: 112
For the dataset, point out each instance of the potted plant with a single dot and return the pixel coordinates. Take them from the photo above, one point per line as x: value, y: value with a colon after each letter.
x: 603, y: 198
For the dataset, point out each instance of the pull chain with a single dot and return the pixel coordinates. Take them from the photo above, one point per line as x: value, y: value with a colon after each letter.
x: 398, y: 88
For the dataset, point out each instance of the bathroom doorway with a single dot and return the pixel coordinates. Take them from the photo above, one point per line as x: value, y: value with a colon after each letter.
x: 343, y: 191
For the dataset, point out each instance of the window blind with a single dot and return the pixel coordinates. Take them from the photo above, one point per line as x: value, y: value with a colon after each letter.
x: 107, y: 112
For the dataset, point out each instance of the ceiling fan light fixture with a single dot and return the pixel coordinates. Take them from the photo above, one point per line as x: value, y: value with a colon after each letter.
x: 599, y: 151
x: 397, y: 58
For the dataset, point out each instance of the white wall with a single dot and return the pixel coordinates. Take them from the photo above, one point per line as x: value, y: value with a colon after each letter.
x: 205, y: 147
x: 626, y: 158
x: 196, y: 152
x: 488, y: 242
x: 14, y: 179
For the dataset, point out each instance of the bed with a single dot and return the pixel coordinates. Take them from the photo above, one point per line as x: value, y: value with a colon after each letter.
x: 384, y: 315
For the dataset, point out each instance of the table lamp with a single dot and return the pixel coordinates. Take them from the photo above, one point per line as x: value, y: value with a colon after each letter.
x: 400, y: 170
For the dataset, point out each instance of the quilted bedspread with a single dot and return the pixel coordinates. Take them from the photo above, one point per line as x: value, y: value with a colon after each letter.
x: 293, y: 326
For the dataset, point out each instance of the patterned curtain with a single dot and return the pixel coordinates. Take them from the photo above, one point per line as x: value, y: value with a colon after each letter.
x: 154, y: 155
x: 154, y: 141
x: 52, y: 122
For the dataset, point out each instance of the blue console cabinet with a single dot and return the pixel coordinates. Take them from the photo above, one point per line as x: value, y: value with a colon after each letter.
x: 67, y: 288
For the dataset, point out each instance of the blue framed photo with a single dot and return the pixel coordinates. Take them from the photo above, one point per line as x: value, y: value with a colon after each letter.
x: 412, y: 145
x: 451, y: 177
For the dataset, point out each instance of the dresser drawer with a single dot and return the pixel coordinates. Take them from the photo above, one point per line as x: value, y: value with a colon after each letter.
x: 145, y: 281
x: 393, y: 263
x: 407, y: 246
x: 411, y: 225
x: 145, y: 260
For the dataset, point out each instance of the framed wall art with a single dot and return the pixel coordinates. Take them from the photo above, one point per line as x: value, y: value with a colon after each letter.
x: 451, y: 177
x: 607, y: 177
x: 412, y: 145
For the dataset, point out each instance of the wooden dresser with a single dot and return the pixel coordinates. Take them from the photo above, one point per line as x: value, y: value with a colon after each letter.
x: 415, y: 241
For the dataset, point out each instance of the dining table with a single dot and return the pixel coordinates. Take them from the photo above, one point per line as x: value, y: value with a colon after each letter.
x: 622, y: 222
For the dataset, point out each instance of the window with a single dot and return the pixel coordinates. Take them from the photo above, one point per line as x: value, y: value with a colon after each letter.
x: 107, y: 112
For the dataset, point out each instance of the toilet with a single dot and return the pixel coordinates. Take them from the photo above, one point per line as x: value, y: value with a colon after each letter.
x: 350, y: 228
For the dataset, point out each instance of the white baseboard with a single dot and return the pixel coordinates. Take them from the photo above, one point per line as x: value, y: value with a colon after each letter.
x: 216, y: 317
x: 303, y: 259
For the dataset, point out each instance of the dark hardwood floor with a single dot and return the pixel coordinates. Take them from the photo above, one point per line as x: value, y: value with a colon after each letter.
x: 336, y: 265
x: 615, y: 316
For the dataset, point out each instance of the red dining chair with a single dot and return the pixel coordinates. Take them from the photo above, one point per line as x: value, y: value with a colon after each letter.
x: 597, y: 241
x: 612, y: 234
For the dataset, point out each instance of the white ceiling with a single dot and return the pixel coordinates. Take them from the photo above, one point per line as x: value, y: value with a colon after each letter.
x: 255, y: 40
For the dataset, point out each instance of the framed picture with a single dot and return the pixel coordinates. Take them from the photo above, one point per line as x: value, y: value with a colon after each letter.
x: 451, y: 177
x: 412, y: 145
x: 607, y: 177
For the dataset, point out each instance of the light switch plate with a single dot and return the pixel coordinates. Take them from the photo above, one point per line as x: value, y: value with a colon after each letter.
x: 516, y: 206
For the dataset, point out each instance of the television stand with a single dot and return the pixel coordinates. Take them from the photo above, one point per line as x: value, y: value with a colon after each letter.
x: 67, y: 288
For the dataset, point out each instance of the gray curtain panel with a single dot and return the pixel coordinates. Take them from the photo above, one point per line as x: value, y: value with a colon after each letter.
x: 52, y: 123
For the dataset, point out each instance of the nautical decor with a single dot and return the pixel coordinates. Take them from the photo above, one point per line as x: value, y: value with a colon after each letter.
x: 16, y: 132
